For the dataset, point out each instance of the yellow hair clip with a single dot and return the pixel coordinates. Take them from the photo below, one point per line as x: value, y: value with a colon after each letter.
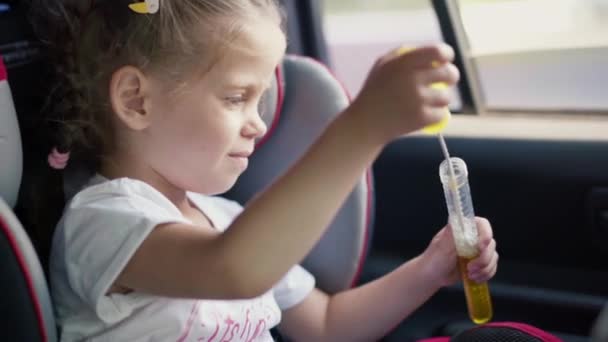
x: 145, y: 7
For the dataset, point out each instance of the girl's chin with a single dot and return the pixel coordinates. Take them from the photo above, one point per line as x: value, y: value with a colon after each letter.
x: 218, y: 188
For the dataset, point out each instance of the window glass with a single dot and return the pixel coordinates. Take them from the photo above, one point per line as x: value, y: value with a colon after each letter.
x: 359, y: 31
x: 538, y: 54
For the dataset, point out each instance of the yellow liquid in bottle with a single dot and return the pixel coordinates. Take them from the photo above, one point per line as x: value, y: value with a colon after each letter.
x: 478, y: 298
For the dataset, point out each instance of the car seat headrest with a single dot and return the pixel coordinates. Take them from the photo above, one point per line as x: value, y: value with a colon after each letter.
x: 11, y: 158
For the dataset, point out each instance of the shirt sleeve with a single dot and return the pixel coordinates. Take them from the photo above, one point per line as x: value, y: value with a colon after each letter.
x: 101, y: 231
x: 294, y: 287
x: 219, y: 210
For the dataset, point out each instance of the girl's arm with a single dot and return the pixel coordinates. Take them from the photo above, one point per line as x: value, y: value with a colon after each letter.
x: 369, y: 312
x: 365, y: 313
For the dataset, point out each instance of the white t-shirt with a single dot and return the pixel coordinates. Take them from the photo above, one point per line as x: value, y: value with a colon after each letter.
x: 101, y: 228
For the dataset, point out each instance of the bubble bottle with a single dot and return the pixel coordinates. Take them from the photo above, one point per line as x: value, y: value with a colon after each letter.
x: 454, y: 178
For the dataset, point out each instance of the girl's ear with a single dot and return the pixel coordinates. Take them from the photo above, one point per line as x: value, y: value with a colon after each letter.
x: 129, y: 94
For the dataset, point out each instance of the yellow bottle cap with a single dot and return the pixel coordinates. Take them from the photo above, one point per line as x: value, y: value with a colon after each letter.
x: 437, y: 127
x: 403, y: 50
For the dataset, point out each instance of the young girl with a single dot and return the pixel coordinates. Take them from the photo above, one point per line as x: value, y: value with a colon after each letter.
x: 164, y: 100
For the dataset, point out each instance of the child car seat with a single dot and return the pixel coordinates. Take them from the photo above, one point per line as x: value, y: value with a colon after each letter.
x: 25, y: 309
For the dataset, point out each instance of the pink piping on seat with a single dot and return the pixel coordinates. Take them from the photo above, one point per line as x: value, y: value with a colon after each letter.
x: 2, y: 70
x: 278, y: 109
x: 540, y: 334
x: 28, y: 278
x: 368, y: 223
x: 528, y: 329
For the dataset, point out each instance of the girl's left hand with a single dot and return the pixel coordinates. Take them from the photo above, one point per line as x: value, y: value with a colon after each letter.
x: 442, y: 260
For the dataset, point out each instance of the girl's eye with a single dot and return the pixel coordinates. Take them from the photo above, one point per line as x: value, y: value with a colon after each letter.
x: 235, y: 100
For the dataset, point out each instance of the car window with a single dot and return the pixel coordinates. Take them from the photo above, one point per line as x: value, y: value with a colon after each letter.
x: 358, y: 32
x: 537, y: 54
x: 522, y: 55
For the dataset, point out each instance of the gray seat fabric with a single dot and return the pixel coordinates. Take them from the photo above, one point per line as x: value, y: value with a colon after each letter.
x: 600, y: 328
x: 311, y: 98
x: 11, y: 161
x: 25, y: 309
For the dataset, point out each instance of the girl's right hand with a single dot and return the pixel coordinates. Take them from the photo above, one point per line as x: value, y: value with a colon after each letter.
x: 397, y: 99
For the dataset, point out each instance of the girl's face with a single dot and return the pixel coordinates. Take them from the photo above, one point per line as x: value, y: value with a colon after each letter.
x: 201, y: 140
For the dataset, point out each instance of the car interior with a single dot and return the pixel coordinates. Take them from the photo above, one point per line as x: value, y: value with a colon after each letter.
x: 545, y: 191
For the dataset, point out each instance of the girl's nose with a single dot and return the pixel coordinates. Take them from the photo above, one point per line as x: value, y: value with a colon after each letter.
x: 255, y: 127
